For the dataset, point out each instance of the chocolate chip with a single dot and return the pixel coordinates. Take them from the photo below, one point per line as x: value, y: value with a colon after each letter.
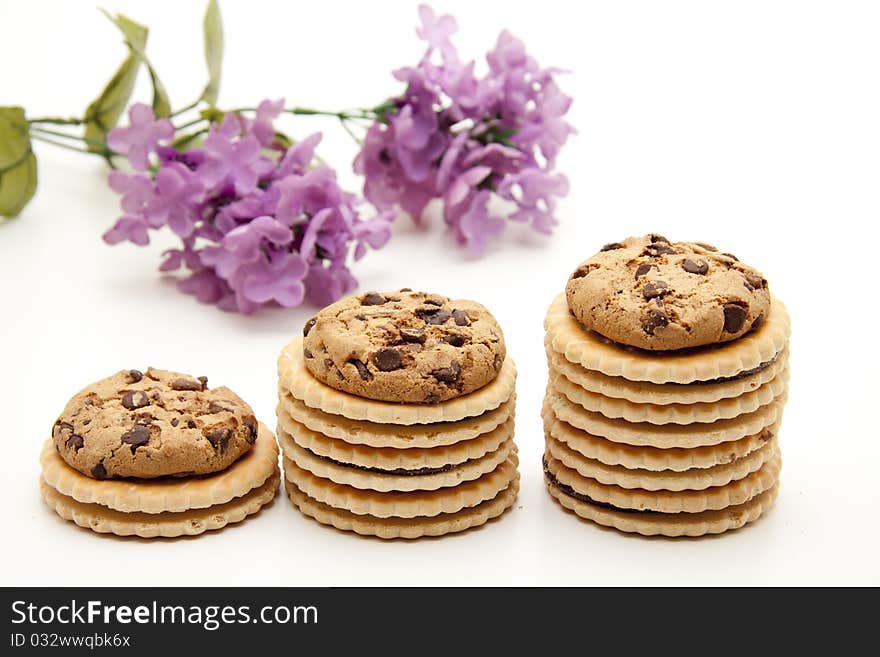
x: 365, y: 373
x: 583, y: 270
x: 438, y: 318
x: 137, y: 436
x: 219, y: 437
x: 190, y: 424
x: 695, y: 266
x: 186, y: 384
x: 435, y: 301
x: 641, y: 270
x: 174, y: 422
x: 432, y: 399
x: 498, y: 362
x: 373, y: 299
x: 387, y: 359
x: 99, y: 471
x: 60, y: 427
x: 655, y: 238
x: 758, y: 323
x: 753, y: 281
x: 455, y: 339
x: 413, y: 335
x: 204, y: 381
x: 731, y: 256
x: 308, y: 354
x: 135, y: 375
x: 448, y: 374
x: 308, y: 326
x: 735, y: 314
x: 217, y: 407
x: 654, y: 289
x: 611, y: 246
x: 135, y: 399
x: 658, y: 249
x: 461, y: 318
x: 251, y: 423
x: 74, y: 442
x: 654, y: 319
x: 405, y: 289
x: 708, y: 247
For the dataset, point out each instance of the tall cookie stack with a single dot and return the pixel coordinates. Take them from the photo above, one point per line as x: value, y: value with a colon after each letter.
x: 668, y: 377
x: 157, y: 454
x: 395, y: 416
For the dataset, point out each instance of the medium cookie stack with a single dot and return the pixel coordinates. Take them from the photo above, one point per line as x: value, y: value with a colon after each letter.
x: 157, y: 454
x: 668, y: 377
x: 395, y: 416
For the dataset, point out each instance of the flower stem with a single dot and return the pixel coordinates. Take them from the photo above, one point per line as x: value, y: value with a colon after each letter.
x: 185, y: 139
x: 347, y: 128
x: 182, y: 110
x: 342, y: 116
x: 97, y: 143
x: 190, y: 124
x: 57, y: 120
x: 46, y: 140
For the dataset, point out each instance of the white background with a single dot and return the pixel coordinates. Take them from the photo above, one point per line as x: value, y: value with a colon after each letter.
x: 751, y: 125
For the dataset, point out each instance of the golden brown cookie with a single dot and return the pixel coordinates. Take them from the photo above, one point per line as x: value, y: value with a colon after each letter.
x: 596, y: 353
x: 153, y: 424
x: 295, y: 379
x: 388, y: 528
x: 645, y: 392
x: 672, y: 525
x: 666, y: 435
x: 404, y: 346
x: 161, y: 494
x: 191, y: 522
x: 650, y: 293
x: 393, y: 458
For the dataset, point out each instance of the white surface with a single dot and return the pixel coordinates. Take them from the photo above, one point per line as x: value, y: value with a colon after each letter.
x: 750, y: 125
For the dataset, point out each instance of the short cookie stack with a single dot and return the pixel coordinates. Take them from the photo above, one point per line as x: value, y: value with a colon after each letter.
x: 157, y: 454
x: 395, y: 416
x: 668, y: 377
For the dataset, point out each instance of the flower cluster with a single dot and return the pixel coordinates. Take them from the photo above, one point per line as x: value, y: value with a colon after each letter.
x: 258, y: 223
x: 466, y: 138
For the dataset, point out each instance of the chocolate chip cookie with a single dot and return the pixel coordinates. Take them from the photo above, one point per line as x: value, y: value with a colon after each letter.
x: 651, y: 293
x: 153, y: 424
x: 404, y: 346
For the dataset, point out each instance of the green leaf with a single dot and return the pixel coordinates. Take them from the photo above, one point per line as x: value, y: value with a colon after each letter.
x: 136, y: 38
x: 135, y: 34
x: 161, y: 103
x: 18, y: 165
x: 15, y: 142
x: 17, y: 187
x: 213, y: 51
x: 104, y: 112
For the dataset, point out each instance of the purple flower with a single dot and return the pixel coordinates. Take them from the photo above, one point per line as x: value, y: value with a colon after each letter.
x: 474, y: 225
x: 258, y: 226
x: 128, y: 229
x: 232, y: 156
x: 326, y: 284
x: 177, y: 192
x: 262, y: 125
x: 136, y: 191
x: 142, y: 137
x: 437, y: 32
x: 467, y: 139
